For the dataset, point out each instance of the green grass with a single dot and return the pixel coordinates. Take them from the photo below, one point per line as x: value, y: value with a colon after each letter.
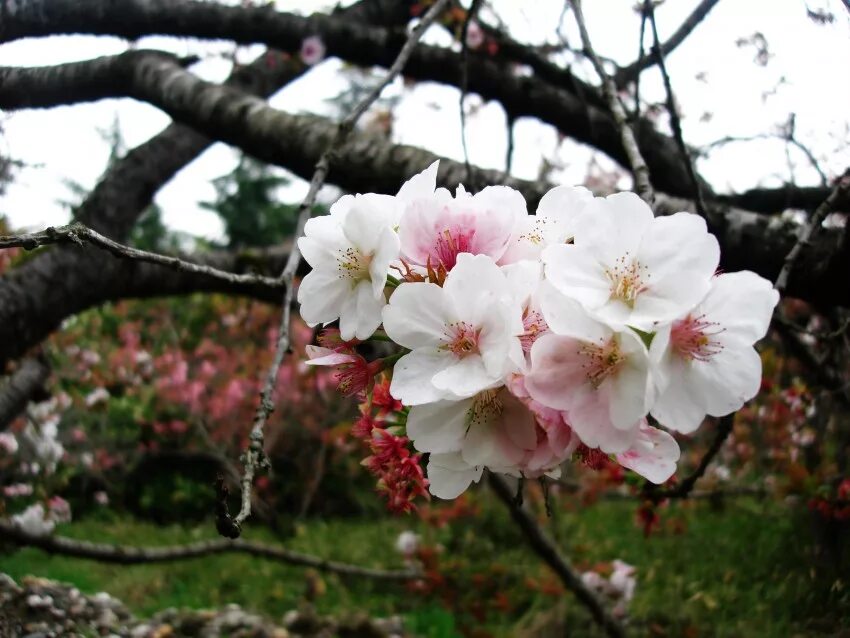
x: 748, y: 570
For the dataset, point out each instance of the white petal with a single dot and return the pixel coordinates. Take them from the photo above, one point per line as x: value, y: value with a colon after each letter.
x: 566, y: 316
x: 421, y: 185
x: 576, y: 273
x: 562, y: 205
x: 680, y: 407
x: 386, y: 252
x: 360, y: 314
x: 417, y: 315
x: 449, y: 476
x: 473, y: 285
x: 653, y: 455
x: 369, y: 215
x: 412, y: 376
x: 322, y: 295
x: 742, y: 303
x: 438, y: 427
x: 465, y: 377
x: 729, y: 379
x: 613, y: 226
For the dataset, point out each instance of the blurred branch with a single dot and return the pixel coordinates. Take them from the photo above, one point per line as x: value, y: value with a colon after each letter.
x: 464, y: 83
x: 807, y: 232
x: 128, y: 555
x: 684, y: 488
x: 672, y: 109
x: 630, y: 73
x: 546, y: 549
x: 254, y: 455
x: 77, y: 233
x: 640, y: 170
x: 21, y: 387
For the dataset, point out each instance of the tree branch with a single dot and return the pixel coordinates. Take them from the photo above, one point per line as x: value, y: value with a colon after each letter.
x: 631, y: 72
x: 77, y: 233
x: 807, y: 232
x: 686, y: 485
x: 546, y: 549
x: 255, y: 456
x: 640, y: 170
x: 571, y: 106
x: 127, y: 555
x: 675, y: 121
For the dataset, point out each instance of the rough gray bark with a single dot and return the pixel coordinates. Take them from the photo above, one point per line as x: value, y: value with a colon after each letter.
x: 579, y: 114
x: 21, y: 387
x: 371, y: 163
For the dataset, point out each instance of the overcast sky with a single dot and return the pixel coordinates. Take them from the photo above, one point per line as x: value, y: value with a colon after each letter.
x: 721, y: 90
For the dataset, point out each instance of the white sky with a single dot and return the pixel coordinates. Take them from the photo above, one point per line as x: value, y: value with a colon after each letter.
x: 64, y: 144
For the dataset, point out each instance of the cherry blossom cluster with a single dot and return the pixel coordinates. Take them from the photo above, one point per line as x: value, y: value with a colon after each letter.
x: 528, y: 339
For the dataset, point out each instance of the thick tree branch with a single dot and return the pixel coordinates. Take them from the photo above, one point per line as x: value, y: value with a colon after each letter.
x: 126, y: 555
x: 577, y: 113
x: 21, y: 387
x: 546, y: 549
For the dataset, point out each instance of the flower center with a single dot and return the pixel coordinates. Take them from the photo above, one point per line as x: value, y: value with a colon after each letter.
x: 461, y: 339
x: 691, y: 338
x: 486, y: 408
x: 353, y: 265
x: 450, y: 243
x: 628, y: 279
x: 601, y: 361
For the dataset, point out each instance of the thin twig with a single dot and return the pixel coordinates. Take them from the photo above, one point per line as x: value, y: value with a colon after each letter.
x: 629, y: 73
x: 128, y: 555
x: 643, y: 12
x: 686, y: 485
x: 675, y: 121
x: 544, y: 547
x: 77, y: 233
x: 808, y: 231
x: 464, y: 84
x: 254, y: 455
x: 627, y: 135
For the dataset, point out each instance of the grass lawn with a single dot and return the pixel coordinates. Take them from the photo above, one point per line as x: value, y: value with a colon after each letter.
x: 749, y: 569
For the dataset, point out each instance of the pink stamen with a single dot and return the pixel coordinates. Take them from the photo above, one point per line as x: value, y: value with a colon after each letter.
x: 628, y: 279
x: 691, y: 338
x: 534, y: 326
x: 600, y: 361
x: 461, y: 339
x: 450, y: 243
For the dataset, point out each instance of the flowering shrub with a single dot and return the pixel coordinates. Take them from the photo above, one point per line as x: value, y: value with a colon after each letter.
x: 525, y: 340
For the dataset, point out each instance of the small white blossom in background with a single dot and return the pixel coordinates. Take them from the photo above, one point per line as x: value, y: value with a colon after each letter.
x: 617, y: 590
x: 101, y: 498
x: 528, y: 339
x: 8, y: 443
x: 407, y: 543
x: 43, y: 440
x: 34, y: 521
x: 98, y: 395
x: 312, y: 50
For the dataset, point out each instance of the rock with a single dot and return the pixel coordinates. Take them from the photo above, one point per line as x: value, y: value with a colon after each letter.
x: 40, y: 608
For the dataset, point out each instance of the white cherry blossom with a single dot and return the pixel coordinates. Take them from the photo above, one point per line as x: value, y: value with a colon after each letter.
x: 554, y: 223
x: 600, y: 377
x: 463, y: 337
x: 707, y: 354
x: 436, y: 229
x: 449, y: 475
x: 350, y: 252
x: 628, y: 268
